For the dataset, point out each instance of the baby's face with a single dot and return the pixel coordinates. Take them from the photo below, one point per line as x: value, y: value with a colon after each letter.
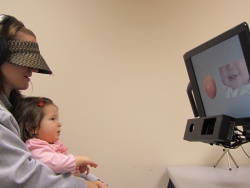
x: 234, y: 75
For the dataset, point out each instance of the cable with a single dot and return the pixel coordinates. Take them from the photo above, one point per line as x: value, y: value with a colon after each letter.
x: 245, y: 152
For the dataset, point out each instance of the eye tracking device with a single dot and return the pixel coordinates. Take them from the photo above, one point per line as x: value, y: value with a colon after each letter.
x: 219, y: 89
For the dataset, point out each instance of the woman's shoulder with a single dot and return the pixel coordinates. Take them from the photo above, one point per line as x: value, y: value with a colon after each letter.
x: 7, y: 120
x: 5, y: 114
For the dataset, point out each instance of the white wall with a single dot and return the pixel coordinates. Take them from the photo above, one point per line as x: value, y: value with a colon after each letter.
x: 120, y: 80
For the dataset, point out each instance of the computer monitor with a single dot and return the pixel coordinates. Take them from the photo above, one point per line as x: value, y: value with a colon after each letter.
x: 218, y: 71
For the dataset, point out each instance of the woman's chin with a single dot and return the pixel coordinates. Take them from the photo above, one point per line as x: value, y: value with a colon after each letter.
x: 24, y: 87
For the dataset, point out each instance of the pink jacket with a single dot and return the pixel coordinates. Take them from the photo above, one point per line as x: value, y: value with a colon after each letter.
x: 54, y: 155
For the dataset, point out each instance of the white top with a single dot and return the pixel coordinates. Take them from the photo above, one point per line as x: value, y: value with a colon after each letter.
x: 209, y: 177
x: 243, y: 90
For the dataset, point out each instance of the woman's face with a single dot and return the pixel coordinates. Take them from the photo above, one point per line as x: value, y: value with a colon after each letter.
x: 15, y: 76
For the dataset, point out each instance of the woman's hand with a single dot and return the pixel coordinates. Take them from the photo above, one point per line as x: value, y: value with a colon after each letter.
x: 100, y: 184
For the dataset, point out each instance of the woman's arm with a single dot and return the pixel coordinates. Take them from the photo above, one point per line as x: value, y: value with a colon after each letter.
x: 93, y: 178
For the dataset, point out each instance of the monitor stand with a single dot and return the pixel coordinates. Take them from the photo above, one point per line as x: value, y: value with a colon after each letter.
x: 226, y: 151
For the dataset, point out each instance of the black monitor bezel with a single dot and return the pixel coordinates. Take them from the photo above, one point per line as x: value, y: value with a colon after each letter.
x: 242, y: 31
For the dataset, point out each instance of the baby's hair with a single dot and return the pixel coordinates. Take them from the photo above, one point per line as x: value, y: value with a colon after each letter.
x: 29, y: 113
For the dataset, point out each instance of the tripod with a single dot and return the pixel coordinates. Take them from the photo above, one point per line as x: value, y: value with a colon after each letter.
x: 226, y: 151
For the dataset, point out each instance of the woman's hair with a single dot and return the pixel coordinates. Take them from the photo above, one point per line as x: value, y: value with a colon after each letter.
x: 11, y: 27
x: 29, y: 112
x: 8, y: 31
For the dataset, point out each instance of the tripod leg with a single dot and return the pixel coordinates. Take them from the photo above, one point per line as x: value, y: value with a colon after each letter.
x: 228, y: 160
x: 233, y: 160
x: 220, y: 158
x: 229, y: 155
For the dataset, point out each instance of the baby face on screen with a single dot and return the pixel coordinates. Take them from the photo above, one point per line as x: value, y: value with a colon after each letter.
x: 234, y: 75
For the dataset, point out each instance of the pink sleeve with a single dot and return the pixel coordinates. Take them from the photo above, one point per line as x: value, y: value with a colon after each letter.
x: 58, y: 162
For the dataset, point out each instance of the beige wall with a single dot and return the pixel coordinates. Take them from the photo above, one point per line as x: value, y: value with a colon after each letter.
x: 120, y: 80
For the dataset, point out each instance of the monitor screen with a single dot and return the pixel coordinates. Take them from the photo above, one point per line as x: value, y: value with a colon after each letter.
x: 219, y: 74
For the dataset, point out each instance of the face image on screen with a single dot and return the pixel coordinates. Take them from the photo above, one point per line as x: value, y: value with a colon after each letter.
x: 223, y: 79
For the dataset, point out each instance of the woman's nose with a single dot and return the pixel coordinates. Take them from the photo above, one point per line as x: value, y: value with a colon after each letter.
x: 32, y: 69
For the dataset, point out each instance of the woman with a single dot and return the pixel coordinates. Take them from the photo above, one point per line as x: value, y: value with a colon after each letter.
x: 19, y: 58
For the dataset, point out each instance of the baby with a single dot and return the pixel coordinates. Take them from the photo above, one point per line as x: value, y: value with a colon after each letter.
x: 235, y: 77
x: 40, y: 128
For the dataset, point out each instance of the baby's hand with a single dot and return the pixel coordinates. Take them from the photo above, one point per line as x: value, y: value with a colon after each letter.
x: 83, y: 169
x: 86, y: 162
x: 82, y: 160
